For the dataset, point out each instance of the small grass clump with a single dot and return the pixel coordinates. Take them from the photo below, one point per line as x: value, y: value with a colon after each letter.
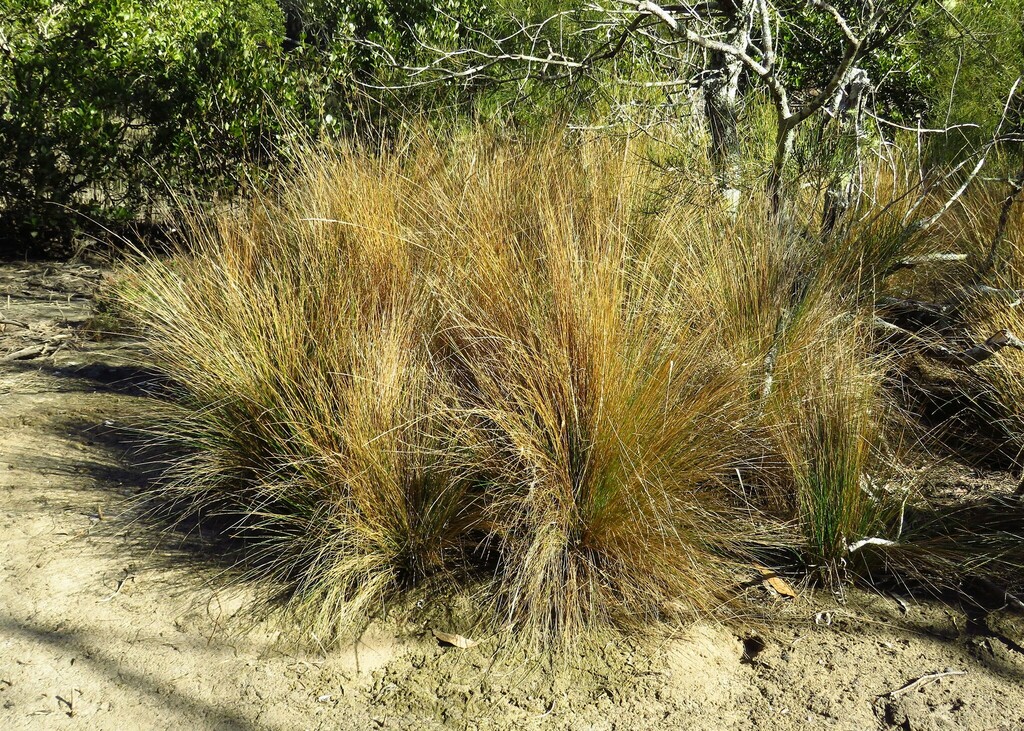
x: 828, y: 432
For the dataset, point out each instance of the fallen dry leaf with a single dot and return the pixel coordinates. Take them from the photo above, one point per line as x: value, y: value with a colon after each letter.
x: 455, y: 640
x: 777, y: 584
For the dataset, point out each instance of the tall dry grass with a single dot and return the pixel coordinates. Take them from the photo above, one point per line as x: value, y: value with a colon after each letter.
x: 297, y: 333
x: 611, y: 416
x: 986, y: 294
x: 541, y: 368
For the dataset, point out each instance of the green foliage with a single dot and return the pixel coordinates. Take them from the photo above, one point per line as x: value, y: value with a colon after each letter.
x: 973, y: 60
x: 105, y: 106
x: 101, y: 103
x: 353, y: 30
x: 812, y: 46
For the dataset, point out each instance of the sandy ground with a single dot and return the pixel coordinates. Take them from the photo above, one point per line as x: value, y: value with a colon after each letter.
x: 108, y: 623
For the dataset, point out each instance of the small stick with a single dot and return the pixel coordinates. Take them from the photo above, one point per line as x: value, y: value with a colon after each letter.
x: 873, y: 541
x: 978, y: 353
x: 899, y: 600
x: 32, y: 351
x: 16, y: 323
x: 922, y: 681
x: 120, y: 585
x: 915, y: 261
x: 971, y: 356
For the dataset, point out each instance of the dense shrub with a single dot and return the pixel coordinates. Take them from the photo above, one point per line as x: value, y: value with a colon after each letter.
x: 103, y: 104
x: 105, y: 107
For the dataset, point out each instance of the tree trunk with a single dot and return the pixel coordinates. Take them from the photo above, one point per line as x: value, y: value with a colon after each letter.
x: 783, y: 148
x: 846, y: 112
x: 721, y: 101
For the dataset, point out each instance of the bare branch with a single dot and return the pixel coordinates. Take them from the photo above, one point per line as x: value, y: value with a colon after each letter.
x: 656, y: 10
x: 1016, y: 186
x: 613, y: 49
x: 766, y: 34
x: 925, y: 223
x: 916, y: 261
x: 851, y: 37
x: 921, y: 130
x: 977, y: 353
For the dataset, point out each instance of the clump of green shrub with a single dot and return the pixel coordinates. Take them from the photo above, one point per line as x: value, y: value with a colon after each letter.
x: 102, y: 105
x: 107, y: 107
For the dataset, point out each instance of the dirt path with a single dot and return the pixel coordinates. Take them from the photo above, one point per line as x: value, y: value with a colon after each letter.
x: 104, y: 627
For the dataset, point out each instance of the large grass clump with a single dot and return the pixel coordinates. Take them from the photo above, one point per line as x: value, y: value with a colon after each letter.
x: 610, y: 416
x: 541, y: 372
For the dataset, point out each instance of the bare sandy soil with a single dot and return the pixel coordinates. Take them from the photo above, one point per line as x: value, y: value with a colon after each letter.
x: 107, y: 622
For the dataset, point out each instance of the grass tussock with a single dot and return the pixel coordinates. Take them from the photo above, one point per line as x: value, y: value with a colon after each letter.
x: 544, y: 370
x: 609, y: 416
x: 828, y: 429
x: 312, y: 409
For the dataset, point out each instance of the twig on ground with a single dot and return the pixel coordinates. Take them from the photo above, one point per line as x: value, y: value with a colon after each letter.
x: 921, y: 682
x: 120, y: 585
x: 1011, y: 297
x: 32, y: 351
x: 904, y: 607
x: 964, y: 359
x: 977, y: 353
x: 873, y: 541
